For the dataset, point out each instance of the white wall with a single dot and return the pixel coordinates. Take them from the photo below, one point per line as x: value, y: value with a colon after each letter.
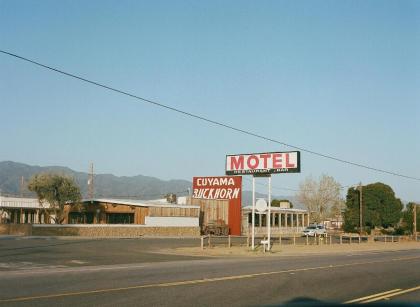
x: 176, y: 221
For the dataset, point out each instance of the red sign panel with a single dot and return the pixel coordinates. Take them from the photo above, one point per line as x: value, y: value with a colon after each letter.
x: 217, y: 187
x: 224, y: 187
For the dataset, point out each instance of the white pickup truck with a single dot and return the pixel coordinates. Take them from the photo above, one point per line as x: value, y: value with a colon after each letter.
x: 313, y: 230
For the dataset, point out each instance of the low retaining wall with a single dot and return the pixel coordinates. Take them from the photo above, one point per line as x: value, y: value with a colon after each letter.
x: 113, y: 231
x: 16, y: 229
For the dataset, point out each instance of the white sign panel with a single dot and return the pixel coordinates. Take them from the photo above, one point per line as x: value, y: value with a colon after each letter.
x: 263, y: 163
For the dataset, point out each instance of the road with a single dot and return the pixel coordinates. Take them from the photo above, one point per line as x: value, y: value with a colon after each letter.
x: 171, y: 280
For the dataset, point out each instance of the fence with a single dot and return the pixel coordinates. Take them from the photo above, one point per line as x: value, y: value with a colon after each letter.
x: 229, y: 241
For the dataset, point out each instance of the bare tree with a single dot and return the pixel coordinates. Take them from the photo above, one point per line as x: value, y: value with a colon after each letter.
x: 321, y: 197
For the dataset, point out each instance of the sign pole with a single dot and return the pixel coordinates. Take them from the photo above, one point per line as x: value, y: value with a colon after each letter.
x: 262, y: 165
x: 415, y: 221
x: 253, y: 213
x: 269, y: 214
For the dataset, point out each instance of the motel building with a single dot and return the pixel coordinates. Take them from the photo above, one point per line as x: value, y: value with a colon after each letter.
x: 184, y: 212
x: 153, y: 213
x: 284, y: 220
x: 156, y: 213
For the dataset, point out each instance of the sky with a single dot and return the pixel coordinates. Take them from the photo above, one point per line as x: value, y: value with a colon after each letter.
x: 337, y: 77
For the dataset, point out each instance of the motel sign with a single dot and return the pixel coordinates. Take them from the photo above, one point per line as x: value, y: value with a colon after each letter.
x: 263, y: 163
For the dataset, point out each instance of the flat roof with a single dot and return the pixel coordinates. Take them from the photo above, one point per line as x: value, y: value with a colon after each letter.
x: 279, y: 210
x: 21, y: 202
x: 141, y: 203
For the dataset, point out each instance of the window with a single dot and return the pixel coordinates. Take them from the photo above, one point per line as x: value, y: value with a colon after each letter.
x: 120, y: 218
x: 276, y: 219
x: 263, y: 220
x: 81, y: 218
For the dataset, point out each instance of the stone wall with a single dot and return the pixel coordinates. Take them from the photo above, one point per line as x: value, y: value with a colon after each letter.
x: 113, y: 231
x: 16, y: 229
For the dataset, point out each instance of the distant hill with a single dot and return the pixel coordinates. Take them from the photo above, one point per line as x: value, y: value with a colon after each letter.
x: 106, y: 185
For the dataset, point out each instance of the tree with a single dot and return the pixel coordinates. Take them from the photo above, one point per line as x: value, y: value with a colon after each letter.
x: 380, y: 207
x: 57, y: 190
x: 408, y: 217
x: 321, y: 198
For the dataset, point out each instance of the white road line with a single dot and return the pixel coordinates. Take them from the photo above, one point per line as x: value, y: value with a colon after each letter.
x: 70, y: 270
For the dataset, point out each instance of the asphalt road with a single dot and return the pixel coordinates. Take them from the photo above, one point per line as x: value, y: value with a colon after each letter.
x: 169, y: 280
x: 50, y: 252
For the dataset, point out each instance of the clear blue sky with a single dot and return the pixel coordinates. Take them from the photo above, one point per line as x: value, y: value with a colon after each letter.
x: 337, y: 77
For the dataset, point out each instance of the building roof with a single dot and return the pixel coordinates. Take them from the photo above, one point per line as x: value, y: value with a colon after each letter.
x: 19, y: 202
x: 142, y: 203
x: 279, y: 210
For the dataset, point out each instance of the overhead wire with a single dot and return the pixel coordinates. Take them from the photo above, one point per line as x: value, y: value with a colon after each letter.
x: 208, y: 120
x: 296, y: 190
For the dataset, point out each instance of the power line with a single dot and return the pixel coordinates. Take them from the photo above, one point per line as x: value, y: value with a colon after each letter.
x: 208, y: 120
x: 296, y: 190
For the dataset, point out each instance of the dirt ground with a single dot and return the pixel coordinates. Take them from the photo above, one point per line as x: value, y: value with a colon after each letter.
x: 292, y: 250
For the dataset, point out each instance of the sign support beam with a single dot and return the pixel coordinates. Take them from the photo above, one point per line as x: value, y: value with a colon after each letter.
x: 269, y: 214
x: 253, y: 213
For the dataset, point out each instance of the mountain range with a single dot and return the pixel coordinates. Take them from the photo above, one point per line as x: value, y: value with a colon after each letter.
x: 106, y: 185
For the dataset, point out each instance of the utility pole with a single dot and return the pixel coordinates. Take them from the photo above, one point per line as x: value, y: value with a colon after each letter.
x: 415, y: 222
x: 90, y: 183
x: 22, y: 186
x: 360, y: 207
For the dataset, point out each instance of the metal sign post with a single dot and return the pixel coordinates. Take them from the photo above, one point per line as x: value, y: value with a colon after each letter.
x: 262, y: 165
x: 253, y: 213
x: 269, y: 214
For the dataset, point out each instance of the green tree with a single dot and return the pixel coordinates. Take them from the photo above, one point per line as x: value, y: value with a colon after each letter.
x: 407, y: 217
x: 380, y: 207
x: 56, y: 190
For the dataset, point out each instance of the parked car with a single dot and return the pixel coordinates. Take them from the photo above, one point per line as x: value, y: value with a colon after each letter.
x: 311, y: 230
